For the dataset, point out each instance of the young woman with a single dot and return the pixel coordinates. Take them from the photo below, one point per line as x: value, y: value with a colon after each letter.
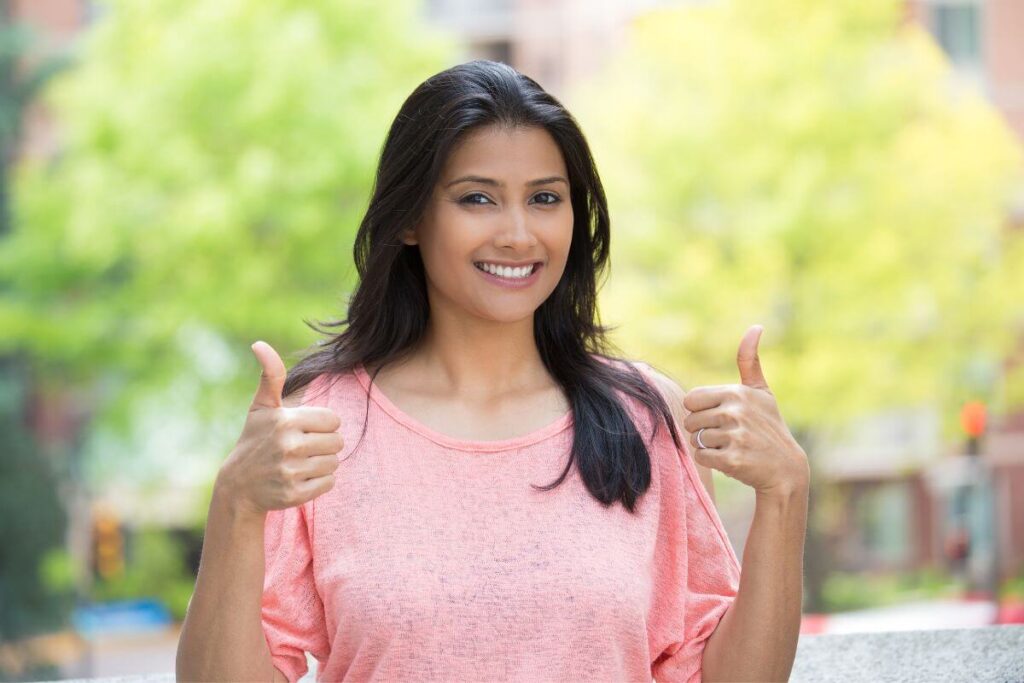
x: 512, y: 501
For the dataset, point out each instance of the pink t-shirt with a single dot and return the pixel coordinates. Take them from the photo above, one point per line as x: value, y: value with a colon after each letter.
x: 433, y: 558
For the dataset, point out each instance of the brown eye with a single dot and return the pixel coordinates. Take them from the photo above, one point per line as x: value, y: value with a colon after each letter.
x: 466, y: 199
x: 554, y: 197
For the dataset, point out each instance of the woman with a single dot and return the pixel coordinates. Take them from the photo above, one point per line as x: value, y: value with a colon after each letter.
x: 471, y: 369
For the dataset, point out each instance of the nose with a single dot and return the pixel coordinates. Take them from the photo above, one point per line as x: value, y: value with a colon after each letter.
x: 517, y: 233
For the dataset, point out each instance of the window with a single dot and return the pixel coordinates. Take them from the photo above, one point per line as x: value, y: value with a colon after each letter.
x: 496, y: 51
x: 884, y: 516
x: 957, y: 28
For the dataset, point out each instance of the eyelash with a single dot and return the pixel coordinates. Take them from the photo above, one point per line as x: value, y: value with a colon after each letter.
x: 556, y: 200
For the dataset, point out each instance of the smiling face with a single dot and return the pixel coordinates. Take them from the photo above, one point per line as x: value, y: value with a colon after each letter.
x: 503, y: 198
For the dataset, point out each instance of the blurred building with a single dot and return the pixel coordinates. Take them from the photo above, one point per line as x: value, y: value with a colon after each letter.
x: 984, y: 40
x: 907, y: 501
x: 899, y: 489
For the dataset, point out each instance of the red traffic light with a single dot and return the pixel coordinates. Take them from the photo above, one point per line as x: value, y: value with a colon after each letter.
x: 972, y: 418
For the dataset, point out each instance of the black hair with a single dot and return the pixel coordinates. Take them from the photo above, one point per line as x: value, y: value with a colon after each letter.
x: 388, y: 311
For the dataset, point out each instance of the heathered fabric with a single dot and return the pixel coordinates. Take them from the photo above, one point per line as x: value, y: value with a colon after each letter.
x: 433, y: 558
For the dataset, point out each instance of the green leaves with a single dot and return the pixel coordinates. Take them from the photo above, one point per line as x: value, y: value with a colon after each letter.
x: 215, y: 161
x: 815, y: 168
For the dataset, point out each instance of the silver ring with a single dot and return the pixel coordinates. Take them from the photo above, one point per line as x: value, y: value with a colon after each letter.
x: 700, y: 443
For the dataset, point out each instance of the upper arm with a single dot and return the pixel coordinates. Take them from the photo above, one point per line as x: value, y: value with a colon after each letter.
x: 674, y: 395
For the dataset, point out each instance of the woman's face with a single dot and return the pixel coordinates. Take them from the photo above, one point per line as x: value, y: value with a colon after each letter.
x: 515, y: 210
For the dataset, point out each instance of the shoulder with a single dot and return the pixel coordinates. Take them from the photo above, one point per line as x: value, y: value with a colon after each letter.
x: 674, y: 395
x: 670, y: 389
x: 309, y: 392
x: 326, y: 389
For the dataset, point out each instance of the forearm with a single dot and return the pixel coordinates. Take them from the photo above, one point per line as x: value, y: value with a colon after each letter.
x: 222, y: 636
x: 757, y: 637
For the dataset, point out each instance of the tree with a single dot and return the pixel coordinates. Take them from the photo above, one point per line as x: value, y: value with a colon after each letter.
x: 19, y: 84
x: 215, y: 161
x: 812, y: 167
x: 28, y: 484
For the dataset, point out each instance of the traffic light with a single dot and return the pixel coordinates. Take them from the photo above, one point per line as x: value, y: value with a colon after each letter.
x: 108, y: 545
x: 972, y: 420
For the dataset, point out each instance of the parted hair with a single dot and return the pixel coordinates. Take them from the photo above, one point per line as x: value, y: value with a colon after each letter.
x: 388, y: 310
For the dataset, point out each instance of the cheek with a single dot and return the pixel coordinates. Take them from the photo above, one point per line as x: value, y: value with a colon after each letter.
x: 559, y: 240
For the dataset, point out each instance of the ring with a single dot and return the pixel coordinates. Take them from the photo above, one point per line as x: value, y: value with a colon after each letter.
x: 699, y: 442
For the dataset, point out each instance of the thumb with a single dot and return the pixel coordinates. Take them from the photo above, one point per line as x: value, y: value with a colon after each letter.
x: 748, y: 361
x: 271, y: 379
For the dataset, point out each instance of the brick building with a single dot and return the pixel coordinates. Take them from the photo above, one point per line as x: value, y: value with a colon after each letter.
x: 901, y: 489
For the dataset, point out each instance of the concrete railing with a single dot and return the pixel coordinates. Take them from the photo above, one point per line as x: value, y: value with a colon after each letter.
x: 976, y: 655
x: 990, y: 653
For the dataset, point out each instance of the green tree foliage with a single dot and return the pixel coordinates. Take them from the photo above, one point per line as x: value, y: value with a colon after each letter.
x: 20, y: 81
x: 33, y: 522
x: 156, y: 568
x: 809, y: 166
x: 34, y: 594
x: 216, y: 158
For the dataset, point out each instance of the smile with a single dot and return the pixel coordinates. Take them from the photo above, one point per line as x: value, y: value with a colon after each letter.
x: 510, y: 277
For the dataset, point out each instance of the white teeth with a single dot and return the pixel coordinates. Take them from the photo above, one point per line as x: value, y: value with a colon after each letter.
x: 502, y: 271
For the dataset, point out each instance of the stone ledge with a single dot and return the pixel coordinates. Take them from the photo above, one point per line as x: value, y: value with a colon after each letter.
x: 974, y: 655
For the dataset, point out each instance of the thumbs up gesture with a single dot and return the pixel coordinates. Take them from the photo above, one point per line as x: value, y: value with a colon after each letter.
x: 738, y: 430
x: 286, y: 455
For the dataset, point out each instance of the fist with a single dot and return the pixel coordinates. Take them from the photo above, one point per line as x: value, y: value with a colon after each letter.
x: 738, y: 430
x: 285, y: 455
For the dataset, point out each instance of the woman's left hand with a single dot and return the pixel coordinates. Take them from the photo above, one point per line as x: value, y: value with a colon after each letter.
x: 744, y: 432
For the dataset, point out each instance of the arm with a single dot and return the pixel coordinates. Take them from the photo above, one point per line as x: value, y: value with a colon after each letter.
x: 757, y: 637
x: 222, y: 635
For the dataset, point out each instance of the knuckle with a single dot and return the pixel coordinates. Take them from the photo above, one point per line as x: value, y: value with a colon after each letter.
x: 289, y: 474
x: 287, y: 420
x: 290, y: 445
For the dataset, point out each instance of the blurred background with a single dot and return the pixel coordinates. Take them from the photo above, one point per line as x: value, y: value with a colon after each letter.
x: 179, y: 179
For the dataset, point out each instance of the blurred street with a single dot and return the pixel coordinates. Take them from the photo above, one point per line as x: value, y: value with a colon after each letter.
x: 154, y: 652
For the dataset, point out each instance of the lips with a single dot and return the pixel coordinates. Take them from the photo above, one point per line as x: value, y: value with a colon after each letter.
x: 507, y: 265
x: 509, y: 282
x: 534, y: 265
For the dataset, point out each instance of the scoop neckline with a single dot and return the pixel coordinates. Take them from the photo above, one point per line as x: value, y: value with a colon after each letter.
x: 448, y: 441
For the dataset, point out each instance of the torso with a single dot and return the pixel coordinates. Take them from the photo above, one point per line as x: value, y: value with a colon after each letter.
x: 514, y: 416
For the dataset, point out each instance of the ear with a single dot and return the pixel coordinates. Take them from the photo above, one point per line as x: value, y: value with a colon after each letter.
x: 409, y: 237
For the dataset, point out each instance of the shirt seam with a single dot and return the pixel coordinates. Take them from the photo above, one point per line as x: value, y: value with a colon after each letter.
x: 702, y: 495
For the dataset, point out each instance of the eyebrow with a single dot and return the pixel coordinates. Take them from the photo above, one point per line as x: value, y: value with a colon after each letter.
x: 492, y: 181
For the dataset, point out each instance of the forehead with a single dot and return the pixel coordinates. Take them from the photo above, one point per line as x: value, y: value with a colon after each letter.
x: 506, y: 151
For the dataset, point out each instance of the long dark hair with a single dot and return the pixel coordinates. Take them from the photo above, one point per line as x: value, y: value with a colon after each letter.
x: 388, y: 311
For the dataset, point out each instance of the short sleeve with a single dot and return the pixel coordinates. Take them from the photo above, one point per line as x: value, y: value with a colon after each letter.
x: 293, y: 613
x: 696, y: 571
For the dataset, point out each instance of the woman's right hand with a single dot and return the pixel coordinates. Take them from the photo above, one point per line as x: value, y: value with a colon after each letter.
x: 285, y: 456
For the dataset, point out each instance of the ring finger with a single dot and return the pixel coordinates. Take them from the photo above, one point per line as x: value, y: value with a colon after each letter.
x: 709, y: 436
